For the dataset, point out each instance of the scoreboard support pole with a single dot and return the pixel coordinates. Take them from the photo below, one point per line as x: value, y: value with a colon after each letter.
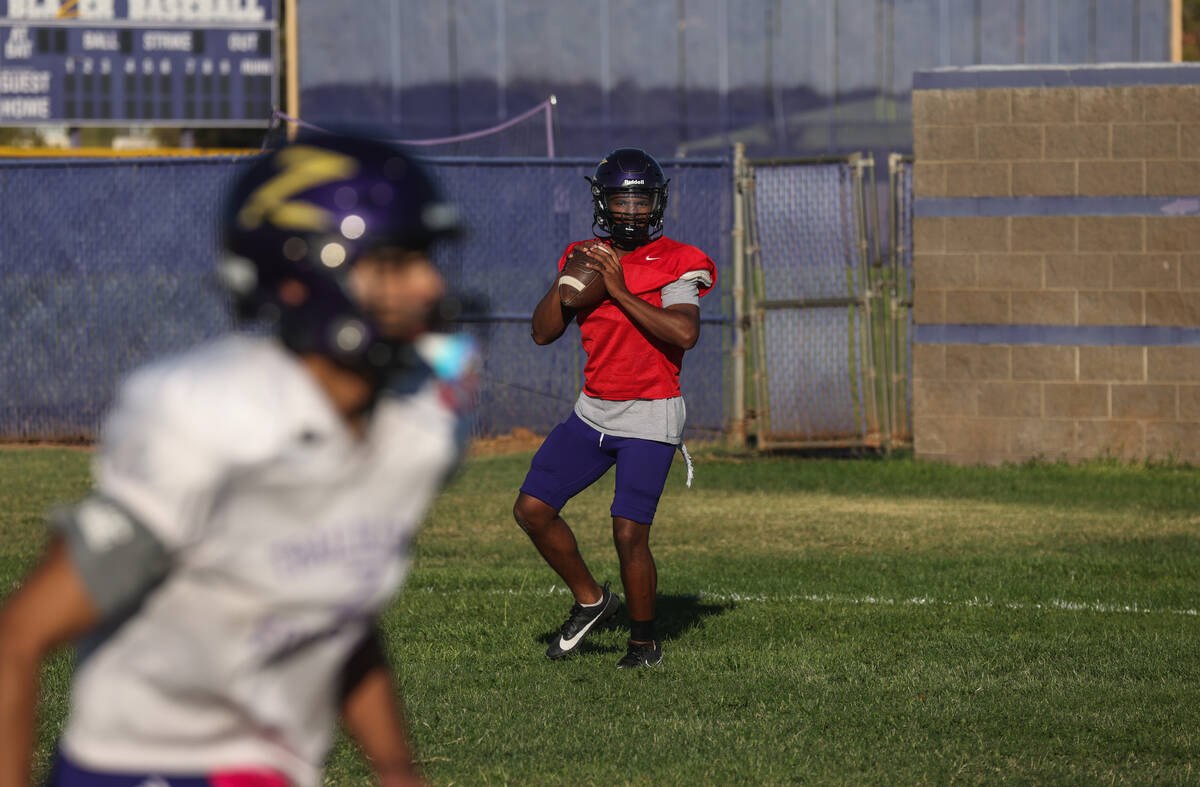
x: 292, y: 68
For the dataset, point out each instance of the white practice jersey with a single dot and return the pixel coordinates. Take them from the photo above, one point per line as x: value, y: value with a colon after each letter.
x: 284, y: 533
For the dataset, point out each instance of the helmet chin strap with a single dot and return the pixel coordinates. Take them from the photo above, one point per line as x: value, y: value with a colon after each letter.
x: 640, y: 236
x: 629, y: 242
x: 626, y: 235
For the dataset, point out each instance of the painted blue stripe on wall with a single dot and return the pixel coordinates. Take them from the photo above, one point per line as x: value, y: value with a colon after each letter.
x: 1059, y: 335
x: 958, y: 207
x: 1125, y: 75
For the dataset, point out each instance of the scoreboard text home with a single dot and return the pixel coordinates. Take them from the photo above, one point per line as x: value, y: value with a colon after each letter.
x: 186, y: 63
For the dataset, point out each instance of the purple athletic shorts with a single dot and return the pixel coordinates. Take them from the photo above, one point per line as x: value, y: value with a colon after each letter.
x: 67, y: 774
x: 574, y: 456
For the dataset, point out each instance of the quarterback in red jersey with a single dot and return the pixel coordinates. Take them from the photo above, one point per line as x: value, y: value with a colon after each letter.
x: 631, y: 412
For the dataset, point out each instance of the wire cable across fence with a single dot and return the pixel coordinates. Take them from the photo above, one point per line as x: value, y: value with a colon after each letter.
x: 497, y: 142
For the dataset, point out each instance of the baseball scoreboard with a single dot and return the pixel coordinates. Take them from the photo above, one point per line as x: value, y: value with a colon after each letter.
x: 184, y: 63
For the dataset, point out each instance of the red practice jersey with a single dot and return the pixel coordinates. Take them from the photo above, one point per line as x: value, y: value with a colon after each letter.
x: 623, y: 361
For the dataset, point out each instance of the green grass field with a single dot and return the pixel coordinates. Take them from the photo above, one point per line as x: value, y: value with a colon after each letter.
x: 825, y: 621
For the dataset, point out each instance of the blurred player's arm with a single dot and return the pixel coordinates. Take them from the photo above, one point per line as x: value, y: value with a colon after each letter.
x: 52, y: 607
x: 372, y: 715
x: 101, y: 562
x: 550, y: 318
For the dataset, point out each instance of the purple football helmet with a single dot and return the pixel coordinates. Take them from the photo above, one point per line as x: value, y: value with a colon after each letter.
x: 308, y: 211
x: 628, y: 170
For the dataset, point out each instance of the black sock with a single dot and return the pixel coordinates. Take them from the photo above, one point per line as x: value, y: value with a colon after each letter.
x: 641, y: 630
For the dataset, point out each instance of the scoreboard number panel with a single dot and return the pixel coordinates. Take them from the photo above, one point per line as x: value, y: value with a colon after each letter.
x: 184, y: 63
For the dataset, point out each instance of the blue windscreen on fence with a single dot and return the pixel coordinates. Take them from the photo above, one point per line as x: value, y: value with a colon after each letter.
x: 786, y: 77
x: 108, y: 263
x: 103, y: 265
x: 521, y: 214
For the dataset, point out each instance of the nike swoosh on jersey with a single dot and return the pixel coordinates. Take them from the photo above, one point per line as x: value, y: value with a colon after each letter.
x: 651, y: 259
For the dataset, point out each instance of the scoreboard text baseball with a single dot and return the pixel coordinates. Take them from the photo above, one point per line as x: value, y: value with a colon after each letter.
x: 188, y: 63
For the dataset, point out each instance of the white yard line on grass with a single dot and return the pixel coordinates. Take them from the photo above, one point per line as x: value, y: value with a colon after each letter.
x: 1070, y: 606
x: 880, y: 601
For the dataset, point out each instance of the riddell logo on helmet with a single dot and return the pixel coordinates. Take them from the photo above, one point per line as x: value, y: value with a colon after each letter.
x: 631, y: 182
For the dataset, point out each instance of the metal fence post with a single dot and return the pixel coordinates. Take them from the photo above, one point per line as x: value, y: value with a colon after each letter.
x: 900, y: 301
x: 860, y: 165
x: 737, y: 432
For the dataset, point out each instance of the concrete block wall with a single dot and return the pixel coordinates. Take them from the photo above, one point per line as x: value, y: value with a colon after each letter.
x: 1056, y: 242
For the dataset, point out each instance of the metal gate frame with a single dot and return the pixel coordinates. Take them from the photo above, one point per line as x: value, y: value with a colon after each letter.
x: 880, y: 308
x: 899, y: 292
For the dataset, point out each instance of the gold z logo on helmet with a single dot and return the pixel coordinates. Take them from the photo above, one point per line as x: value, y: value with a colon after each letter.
x: 301, y: 168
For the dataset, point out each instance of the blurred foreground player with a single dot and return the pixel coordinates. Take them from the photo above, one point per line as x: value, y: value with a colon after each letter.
x: 630, y: 412
x: 254, y: 498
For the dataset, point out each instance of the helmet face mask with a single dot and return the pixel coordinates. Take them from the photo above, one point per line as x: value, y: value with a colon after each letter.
x: 398, y: 288
x: 628, y: 171
x: 308, y: 212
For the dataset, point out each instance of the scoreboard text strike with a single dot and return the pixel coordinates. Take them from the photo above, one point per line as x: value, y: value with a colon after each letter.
x: 186, y: 63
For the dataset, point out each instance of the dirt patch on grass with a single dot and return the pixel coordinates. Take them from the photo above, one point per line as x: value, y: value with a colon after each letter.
x: 516, y: 441
x: 79, y: 445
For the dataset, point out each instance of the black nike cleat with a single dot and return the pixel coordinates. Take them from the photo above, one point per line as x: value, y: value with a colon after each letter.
x: 641, y: 654
x: 581, y: 622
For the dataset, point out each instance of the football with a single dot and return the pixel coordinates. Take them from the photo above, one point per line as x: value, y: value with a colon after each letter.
x: 580, y: 287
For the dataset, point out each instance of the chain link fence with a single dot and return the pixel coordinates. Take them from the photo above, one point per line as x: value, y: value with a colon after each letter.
x: 109, y: 263
x: 825, y: 312
x: 103, y: 265
x: 90, y: 288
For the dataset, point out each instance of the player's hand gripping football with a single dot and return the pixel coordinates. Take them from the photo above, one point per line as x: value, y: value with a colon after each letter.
x: 601, y: 257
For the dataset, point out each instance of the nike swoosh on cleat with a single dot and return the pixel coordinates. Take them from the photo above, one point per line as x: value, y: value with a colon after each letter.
x: 568, y: 644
